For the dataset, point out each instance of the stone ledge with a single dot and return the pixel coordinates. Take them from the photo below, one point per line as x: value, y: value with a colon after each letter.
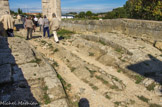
x: 55, y: 89
x: 131, y: 27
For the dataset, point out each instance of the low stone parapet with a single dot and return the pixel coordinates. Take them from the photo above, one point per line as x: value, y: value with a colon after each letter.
x: 148, y: 30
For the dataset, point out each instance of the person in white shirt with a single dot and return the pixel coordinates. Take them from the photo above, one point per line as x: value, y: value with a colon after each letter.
x: 54, y: 26
x: 36, y: 21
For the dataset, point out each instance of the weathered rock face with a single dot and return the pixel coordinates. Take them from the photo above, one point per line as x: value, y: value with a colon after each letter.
x: 25, y: 76
x: 51, y: 6
x: 139, y: 28
x: 158, y: 45
x: 4, y: 6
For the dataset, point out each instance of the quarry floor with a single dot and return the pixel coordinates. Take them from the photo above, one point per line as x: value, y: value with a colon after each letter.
x: 109, y: 69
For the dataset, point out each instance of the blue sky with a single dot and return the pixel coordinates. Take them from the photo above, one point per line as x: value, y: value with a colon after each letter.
x: 69, y: 5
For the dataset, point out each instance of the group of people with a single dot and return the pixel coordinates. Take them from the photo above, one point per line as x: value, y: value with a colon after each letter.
x: 44, y: 24
x: 30, y: 23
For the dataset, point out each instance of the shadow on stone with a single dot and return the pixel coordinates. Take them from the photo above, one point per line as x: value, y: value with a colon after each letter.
x: 14, y: 88
x: 150, y: 68
x: 34, y: 37
x: 61, y: 38
x: 19, y: 26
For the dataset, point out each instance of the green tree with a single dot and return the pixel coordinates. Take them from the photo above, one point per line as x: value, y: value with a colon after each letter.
x: 19, y: 11
x: 82, y: 15
x: 117, y: 13
x: 13, y: 13
x: 89, y: 14
x: 144, y: 9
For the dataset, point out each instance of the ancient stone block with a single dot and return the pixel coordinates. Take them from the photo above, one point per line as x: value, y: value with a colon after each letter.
x: 158, y: 45
x: 55, y: 89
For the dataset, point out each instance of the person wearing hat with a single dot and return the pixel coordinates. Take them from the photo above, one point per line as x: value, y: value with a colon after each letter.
x: 54, y: 26
x: 8, y: 23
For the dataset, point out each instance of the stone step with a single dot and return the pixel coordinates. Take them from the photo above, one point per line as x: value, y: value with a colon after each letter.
x: 138, y: 49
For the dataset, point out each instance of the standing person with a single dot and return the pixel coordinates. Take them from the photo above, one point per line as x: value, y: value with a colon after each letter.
x: 19, y: 17
x: 45, y: 26
x: 8, y: 23
x: 54, y: 26
x: 23, y: 20
x: 40, y: 22
x: 36, y: 21
x: 32, y: 18
x: 29, y: 26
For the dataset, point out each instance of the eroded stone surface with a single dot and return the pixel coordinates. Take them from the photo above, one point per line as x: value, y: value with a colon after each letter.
x: 158, y: 45
x: 55, y: 89
x: 29, y: 73
x: 58, y: 103
x: 105, y: 68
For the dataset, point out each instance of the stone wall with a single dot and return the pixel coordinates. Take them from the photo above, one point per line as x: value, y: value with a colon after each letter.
x: 138, y: 28
x: 4, y: 6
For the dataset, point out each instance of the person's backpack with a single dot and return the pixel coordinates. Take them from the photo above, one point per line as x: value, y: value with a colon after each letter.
x: 11, y: 34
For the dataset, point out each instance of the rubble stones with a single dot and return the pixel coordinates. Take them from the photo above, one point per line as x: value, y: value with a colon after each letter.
x: 158, y: 45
